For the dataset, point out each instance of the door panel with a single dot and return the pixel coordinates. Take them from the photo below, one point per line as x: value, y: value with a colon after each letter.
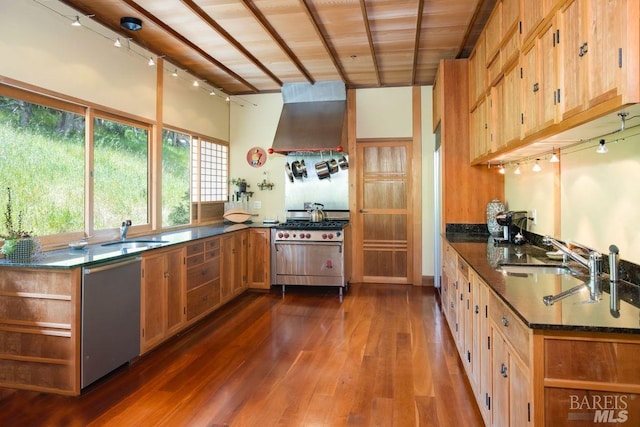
x: 384, y: 181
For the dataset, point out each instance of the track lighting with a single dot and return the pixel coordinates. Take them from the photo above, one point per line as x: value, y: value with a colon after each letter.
x: 212, y: 92
x: 117, y: 43
x: 227, y: 99
x: 175, y: 73
x: 536, y: 167
x: 76, y: 22
x: 195, y: 83
x: 151, y: 62
x: 517, y: 171
x: 554, y: 158
x: 501, y: 170
x: 602, y: 149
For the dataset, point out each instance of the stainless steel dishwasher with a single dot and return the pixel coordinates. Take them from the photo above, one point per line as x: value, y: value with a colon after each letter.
x: 110, y: 317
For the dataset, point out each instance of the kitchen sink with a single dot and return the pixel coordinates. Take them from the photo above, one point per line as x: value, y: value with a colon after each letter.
x: 535, y: 269
x: 136, y: 244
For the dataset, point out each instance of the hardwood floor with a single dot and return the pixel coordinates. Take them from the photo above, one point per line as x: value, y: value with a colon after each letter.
x: 382, y: 357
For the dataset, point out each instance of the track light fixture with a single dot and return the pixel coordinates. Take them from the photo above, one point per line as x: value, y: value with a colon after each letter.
x: 536, y: 167
x: 117, y: 43
x: 554, y: 158
x: 175, y: 73
x: 76, y: 22
x: 501, y: 170
x: 602, y: 148
x: 517, y: 171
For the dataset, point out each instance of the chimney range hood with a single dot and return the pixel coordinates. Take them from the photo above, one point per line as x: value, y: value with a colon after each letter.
x: 313, y: 118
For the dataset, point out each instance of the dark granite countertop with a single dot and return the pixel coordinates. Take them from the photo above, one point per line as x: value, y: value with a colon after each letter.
x: 98, y: 253
x: 523, y: 293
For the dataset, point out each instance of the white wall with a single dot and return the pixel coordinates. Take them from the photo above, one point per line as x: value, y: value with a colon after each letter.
x: 384, y: 113
x: 254, y: 125
x: 599, y: 198
x: 428, y: 181
x: 38, y: 46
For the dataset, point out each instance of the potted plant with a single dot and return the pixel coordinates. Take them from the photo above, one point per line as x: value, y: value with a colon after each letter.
x: 241, y: 183
x: 19, y: 244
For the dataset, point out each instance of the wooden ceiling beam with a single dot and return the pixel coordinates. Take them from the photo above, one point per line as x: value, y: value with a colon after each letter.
x: 230, y: 39
x: 266, y: 26
x: 372, y: 48
x: 416, y: 47
x: 148, y: 15
x: 325, y: 43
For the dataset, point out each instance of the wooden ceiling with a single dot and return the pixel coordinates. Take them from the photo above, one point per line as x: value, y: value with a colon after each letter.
x: 255, y: 46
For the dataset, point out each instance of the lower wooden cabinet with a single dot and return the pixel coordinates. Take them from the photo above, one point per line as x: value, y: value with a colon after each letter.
x: 162, y: 296
x: 259, y: 258
x: 233, y: 278
x: 203, y: 277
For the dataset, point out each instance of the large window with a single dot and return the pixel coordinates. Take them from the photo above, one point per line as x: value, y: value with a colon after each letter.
x: 120, y: 173
x: 65, y: 183
x: 176, y: 194
x: 42, y: 152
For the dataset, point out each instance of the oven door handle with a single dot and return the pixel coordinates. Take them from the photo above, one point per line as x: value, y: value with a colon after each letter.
x: 296, y: 243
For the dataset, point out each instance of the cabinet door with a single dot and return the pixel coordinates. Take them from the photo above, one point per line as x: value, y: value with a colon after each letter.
x: 478, y: 131
x: 258, y: 258
x: 519, y: 401
x: 572, y: 66
x: 153, y: 299
x: 510, y: 112
x: 485, y: 394
x: 176, y: 306
x: 500, y: 379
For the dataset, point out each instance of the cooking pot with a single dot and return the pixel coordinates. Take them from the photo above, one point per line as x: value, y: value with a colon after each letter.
x: 343, y: 162
x: 322, y: 169
x: 332, y: 164
x: 317, y: 214
x: 287, y: 168
x: 298, y: 169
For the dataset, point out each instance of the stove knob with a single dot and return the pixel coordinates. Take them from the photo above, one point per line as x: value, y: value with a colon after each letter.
x: 308, y: 236
x: 286, y: 235
x: 324, y: 235
x: 330, y: 235
x: 280, y: 235
x: 338, y: 234
x: 302, y: 235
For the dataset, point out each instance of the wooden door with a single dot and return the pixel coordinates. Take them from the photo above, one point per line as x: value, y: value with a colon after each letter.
x: 176, y: 306
x: 154, y: 297
x: 384, y: 183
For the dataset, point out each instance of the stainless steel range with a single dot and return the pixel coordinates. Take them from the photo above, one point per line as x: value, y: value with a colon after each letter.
x: 307, y: 253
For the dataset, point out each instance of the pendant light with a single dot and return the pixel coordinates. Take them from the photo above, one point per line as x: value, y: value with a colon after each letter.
x: 602, y: 148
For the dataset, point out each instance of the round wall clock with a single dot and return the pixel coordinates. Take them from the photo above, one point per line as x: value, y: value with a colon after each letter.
x: 256, y: 157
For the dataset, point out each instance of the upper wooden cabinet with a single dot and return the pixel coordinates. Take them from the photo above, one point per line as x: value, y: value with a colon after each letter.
x: 599, y: 54
x: 477, y: 72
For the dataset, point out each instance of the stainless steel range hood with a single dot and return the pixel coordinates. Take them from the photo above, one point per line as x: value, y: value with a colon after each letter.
x: 313, y: 118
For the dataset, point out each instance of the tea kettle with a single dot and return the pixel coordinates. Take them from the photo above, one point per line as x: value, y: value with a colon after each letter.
x: 317, y: 214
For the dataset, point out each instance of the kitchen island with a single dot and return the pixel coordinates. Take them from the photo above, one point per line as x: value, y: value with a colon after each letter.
x: 186, y: 275
x: 529, y: 363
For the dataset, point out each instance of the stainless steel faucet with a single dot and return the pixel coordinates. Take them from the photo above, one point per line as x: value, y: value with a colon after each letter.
x: 593, y: 263
x: 124, y: 228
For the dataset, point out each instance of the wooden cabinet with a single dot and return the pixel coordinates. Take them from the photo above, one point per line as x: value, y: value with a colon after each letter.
x: 598, y: 54
x: 259, y: 258
x: 538, y: 82
x: 477, y: 72
x: 510, y: 111
x: 495, y: 347
x: 466, y: 189
x: 162, y: 296
x: 233, y: 264
x: 479, y: 130
x: 203, y: 277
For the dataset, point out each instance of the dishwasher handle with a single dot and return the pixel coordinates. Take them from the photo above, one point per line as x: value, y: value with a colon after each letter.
x: 111, y: 265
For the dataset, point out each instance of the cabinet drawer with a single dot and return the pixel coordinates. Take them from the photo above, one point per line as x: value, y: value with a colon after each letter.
x: 203, y: 298
x: 516, y: 332
x: 211, y: 254
x: 202, y: 273
x: 450, y: 259
x: 195, y: 260
x: 463, y: 268
x: 195, y: 248
x: 212, y: 245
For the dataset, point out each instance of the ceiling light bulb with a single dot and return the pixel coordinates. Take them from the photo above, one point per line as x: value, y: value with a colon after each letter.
x: 227, y: 99
x: 117, y: 43
x: 212, y: 92
x: 175, y: 73
x: 554, y: 158
x: 76, y: 23
x: 195, y: 83
x: 536, y: 166
x: 501, y: 170
x: 151, y: 62
x: 602, y: 148
x: 517, y: 171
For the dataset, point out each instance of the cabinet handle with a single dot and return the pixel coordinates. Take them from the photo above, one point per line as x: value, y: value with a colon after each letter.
x: 505, y: 321
x: 477, y: 309
x: 536, y: 87
x: 503, y: 370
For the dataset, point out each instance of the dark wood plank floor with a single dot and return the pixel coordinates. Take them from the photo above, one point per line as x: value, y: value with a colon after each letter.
x: 382, y: 357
